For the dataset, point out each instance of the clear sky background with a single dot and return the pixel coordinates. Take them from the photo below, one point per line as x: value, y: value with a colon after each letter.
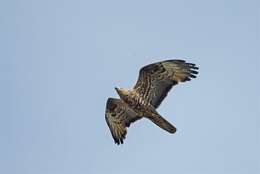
x: 60, y: 61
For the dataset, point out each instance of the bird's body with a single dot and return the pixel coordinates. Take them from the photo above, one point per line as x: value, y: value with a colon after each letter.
x: 133, y: 100
x: 154, y: 82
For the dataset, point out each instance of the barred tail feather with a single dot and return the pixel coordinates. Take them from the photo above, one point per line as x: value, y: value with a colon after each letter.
x: 162, y: 123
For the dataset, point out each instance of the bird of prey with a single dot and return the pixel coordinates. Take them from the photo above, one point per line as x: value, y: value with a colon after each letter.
x: 154, y: 82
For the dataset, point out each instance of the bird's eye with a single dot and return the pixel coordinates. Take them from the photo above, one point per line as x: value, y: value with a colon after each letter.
x: 113, y: 114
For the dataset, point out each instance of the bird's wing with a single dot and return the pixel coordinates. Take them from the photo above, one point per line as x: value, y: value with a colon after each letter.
x: 118, y: 117
x: 156, y: 80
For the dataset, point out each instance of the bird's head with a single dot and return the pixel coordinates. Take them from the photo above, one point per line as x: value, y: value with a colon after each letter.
x: 122, y: 92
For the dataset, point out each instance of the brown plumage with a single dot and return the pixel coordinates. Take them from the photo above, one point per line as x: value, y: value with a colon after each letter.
x: 154, y: 82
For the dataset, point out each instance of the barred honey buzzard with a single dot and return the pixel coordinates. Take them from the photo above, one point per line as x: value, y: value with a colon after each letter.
x: 154, y: 82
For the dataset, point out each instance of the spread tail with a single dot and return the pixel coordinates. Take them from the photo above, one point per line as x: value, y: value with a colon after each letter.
x: 162, y: 123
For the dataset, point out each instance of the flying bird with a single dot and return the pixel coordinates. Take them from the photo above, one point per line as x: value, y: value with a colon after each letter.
x: 154, y: 82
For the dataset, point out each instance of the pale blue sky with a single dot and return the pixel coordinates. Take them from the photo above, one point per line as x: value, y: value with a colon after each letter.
x: 60, y: 61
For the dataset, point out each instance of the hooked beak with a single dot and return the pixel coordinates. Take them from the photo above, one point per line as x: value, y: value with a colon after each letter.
x: 117, y: 90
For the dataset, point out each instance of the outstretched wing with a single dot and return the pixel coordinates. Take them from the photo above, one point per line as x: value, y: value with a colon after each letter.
x: 118, y: 117
x: 156, y: 80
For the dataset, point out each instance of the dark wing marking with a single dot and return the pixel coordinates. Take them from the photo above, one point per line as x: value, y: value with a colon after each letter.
x: 118, y: 117
x: 157, y: 79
